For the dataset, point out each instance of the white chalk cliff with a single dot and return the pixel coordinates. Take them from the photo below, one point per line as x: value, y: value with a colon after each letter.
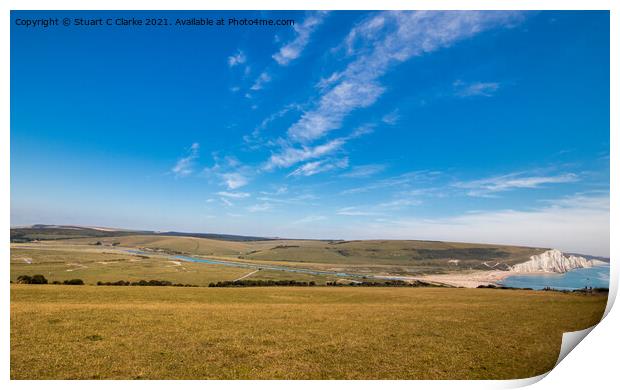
x: 554, y: 261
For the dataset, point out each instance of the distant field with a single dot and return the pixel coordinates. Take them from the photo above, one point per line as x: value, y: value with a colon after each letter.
x: 87, y: 332
x: 91, y: 264
x: 405, y: 256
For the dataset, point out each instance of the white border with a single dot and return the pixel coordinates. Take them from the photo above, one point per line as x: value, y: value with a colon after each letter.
x: 591, y: 365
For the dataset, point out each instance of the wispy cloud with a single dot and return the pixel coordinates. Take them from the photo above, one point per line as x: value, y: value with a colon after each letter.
x: 463, y: 89
x: 356, y: 212
x: 404, y: 180
x: 234, y: 180
x: 391, y: 118
x: 230, y: 171
x: 235, y: 195
x: 492, y: 185
x: 377, y: 44
x: 236, y: 59
x: 185, y: 166
x: 260, y: 207
x: 400, y: 203
x: 319, y: 166
x: 297, y: 200
x: 260, y: 82
x: 363, y: 171
x: 255, y: 137
x: 292, y: 50
x: 578, y: 223
x: 290, y: 155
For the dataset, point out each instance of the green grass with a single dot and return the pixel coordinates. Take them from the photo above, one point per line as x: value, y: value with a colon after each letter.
x: 92, y: 265
x: 89, y: 332
x: 371, y: 256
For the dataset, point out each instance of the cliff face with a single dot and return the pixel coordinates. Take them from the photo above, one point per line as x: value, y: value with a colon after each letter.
x: 553, y: 261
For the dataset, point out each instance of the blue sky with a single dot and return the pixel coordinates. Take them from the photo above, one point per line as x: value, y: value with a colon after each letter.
x: 463, y: 126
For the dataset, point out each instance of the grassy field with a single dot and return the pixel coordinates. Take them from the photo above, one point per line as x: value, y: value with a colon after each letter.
x: 94, y: 259
x: 92, y: 264
x: 87, y: 332
x: 93, y: 255
x: 386, y: 252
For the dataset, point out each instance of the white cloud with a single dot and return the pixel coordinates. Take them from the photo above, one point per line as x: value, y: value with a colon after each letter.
x: 235, y: 195
x: 377, y: 44
x: 301, y: 199
x: 259, y: 207
x: 292, y: 50
x: 234, y: 180
x: 260, y: 82
x: 462, y: 89
x: 361, y: 171
x: 232, y: 173
x: 289, y: 155
x: 254, y: 137
x: 226, y: 202
x: 400, y: 203
x: 356, y: 212
x: 185, y: 166
x: 404, y: 180
x: 575, y: 224
x: 391, y: 118
x: 314, y: 167
x: 333, y: 107
x: 511, y: 181
x: 236, y: 59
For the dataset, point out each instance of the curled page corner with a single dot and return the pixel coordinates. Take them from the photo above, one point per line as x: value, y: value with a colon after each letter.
x: 570, y: 341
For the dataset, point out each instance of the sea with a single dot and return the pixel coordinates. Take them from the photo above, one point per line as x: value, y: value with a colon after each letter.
x: 572, y: 280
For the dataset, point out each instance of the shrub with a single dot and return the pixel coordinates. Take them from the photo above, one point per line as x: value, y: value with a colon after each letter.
x: 24, y: 279
x: 38, y: 279
x: 258, y: 283
x: 34, y: 279
x: 74, y: 282
x: 153, y: 282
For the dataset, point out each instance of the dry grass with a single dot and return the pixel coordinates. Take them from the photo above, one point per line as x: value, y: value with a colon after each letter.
x: 81, y: 332
x: 91, y: 264
x: 406, y: 257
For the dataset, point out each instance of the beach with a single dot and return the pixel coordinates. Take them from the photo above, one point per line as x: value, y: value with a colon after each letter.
x: 469, y: 280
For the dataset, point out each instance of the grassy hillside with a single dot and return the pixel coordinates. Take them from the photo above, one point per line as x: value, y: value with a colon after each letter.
x: 88, y: 332
x: 59, y: 232
x: 103, y: 258
x: 93, y: 265
x: 428, y: 254
x: 47, y: 232
x: 393, y: 252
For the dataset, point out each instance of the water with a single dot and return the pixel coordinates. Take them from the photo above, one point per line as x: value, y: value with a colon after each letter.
x: 265, y: 266
x: 572, y: 280
x: 576, y: 279
x: 256, y: 266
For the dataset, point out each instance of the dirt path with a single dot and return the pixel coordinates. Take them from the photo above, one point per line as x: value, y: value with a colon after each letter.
x: 245, y: 276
